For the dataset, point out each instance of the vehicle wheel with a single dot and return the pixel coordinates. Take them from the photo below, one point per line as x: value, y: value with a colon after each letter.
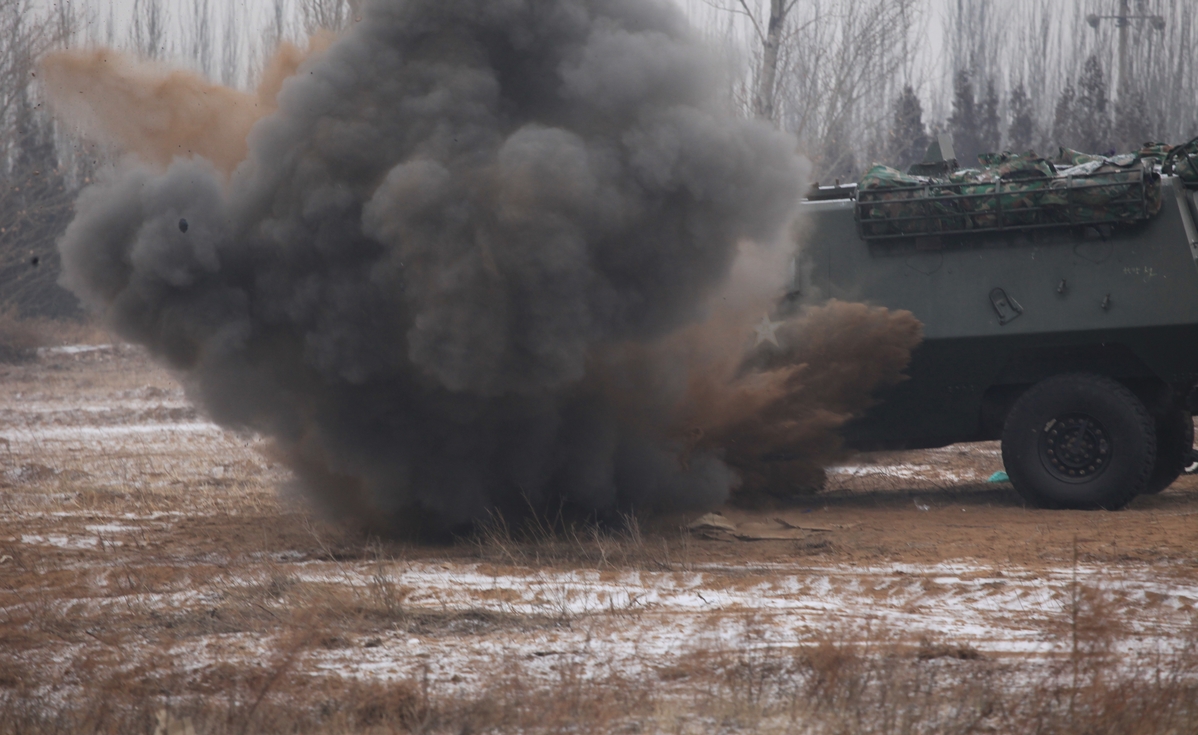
x: 1174, y: 447
x: 1079, y: 441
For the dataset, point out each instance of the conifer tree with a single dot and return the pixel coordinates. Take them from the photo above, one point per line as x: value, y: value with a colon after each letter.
x: 989, y: 132
x: 963, y: 124
x: 1133, y: 123
x: 1023, y: 127
x: 1090, y: 114
x: 1064, y: 127
x: 908, y: 137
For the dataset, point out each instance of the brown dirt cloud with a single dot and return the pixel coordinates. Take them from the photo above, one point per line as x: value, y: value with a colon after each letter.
x: 774, y: 413
x: 157, y: 113
x: 832, y: 360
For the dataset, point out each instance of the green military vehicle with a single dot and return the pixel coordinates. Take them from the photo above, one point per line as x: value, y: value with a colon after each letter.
x: 1060, y: 313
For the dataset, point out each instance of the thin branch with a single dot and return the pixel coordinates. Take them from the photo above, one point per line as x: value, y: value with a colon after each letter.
x: 756, y: 24
x: 743, y: 10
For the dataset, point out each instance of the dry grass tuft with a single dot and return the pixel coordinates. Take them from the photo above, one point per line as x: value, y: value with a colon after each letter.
x: 19, y: 339
x: 540, y: 540
x: 930, y: 650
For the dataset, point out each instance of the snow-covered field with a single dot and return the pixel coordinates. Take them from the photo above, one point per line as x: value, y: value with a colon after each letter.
x: 133, y: 530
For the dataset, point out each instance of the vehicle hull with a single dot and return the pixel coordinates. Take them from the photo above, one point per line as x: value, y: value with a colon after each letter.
x: 1003, y: 311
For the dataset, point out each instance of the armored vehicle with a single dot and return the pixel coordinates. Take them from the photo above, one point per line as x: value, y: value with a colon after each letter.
x: 1060, y: 313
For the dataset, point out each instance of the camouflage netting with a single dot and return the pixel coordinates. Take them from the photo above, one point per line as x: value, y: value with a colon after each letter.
x: 1013, y: 190
x: 1181, y: 160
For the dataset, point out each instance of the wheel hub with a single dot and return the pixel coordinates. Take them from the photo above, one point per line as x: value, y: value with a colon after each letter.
x: 1075, y: 448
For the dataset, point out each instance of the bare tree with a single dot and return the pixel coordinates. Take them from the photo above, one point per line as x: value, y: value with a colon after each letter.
x: 769, y: 22
x: 110, y: 28
x: 277, y: 31
x: 25, y: 40
x: 771, y: 41
x: 197, y: 31
x: 824, y: 70
x: 974, y: 44
x: 67, y: 17
x: 230, y: 46
x: 328, y: 15
x: 35, y: 193
x: 837, y: 72
x: 147, y: 33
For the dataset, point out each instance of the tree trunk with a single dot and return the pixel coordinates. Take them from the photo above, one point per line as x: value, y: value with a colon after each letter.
x: 763, y: 102
x: 1123, y: 21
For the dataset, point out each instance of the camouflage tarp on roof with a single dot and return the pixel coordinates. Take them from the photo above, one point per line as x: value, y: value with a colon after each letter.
x: 1014, y: 184
x: 1156, y: 151
x: 1119, y: 188
x: 909, y: 205
x: 1010, y: 190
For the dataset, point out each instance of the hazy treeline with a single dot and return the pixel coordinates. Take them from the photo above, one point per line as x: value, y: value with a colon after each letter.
x: 1054, y: 75
x: 40, y: 170
x: 856, y: 81
x: 859, y: 81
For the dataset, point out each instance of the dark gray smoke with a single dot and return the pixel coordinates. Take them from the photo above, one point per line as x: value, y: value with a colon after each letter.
x: 417, y: 279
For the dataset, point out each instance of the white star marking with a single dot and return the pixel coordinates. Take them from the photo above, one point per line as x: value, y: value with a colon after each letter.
x: 766, y: 329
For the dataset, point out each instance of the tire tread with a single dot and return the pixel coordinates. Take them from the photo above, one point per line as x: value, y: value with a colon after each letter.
x: 1174, y: 443
x: 1028, y: 402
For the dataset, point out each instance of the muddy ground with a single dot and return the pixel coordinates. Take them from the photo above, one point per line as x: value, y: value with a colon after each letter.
x: 139, y: 540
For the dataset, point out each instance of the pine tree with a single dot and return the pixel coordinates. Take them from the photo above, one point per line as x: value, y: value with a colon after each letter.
x: 1023, y: 127
x: 1091, y: 115
x: 989, y: 134
x: 908, y: 137
x: 964, y: 121
x: 1133, y: 122
x: 1064, y: 126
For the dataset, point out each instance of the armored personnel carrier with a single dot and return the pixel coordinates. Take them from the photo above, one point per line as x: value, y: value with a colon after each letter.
x: 1060, y: 313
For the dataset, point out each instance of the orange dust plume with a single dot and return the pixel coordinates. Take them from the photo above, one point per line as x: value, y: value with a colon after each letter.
x: 159, y: 114
x: 777, y: 421
x: 772, y: 413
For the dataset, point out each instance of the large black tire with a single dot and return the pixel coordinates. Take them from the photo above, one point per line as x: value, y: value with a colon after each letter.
x: 1079, y: 441
x: 1174, y: 447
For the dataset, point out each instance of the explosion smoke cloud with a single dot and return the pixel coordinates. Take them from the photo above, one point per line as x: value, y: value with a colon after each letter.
x: 454, y: 269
